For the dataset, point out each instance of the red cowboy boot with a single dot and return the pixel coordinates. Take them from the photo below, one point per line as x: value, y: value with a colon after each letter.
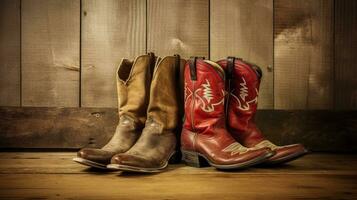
x: 243, y: 87
x: 204, y: 136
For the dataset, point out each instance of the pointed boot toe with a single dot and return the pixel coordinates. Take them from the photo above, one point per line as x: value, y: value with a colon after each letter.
x: 258, y: 155
x: 157, y: 142
x: 287, y: 153
x: 132, y: 103
x: 93, y: 157
x: 134, y: 163
x: 204, y: 137
x: 244, y: 79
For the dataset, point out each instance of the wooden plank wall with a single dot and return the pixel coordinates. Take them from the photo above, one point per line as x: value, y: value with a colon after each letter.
x: 10, y: 53
x: 303, y: 51
x: 178, y: 27
x: 111, y: 30
x: 238, y: 30
x: 345, y: 54
x: 73, y: 128
x: 50, y: 52
x: 63, y: 53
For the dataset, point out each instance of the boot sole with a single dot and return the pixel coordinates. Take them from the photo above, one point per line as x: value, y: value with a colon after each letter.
x: 195, y: 159
x: 286, y: 159
x: 136, y: 169
x: 89, y: 163
x: 140, y: 169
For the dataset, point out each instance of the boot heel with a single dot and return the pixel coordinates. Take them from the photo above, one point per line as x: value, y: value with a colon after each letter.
x: 193, y: 159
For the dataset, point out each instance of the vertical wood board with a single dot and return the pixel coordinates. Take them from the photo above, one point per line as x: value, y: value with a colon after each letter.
x: 50, y: 52
x: 303, y: 41
x: 10, y: 53
x: 111, y: 30
x: 178, y: 27
x: 244, y: 29
x: 346, y: 54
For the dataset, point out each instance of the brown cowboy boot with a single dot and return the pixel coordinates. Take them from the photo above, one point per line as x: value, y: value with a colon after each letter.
x: 157, y: 142
x: 133, y: 84
x: 243, y: 87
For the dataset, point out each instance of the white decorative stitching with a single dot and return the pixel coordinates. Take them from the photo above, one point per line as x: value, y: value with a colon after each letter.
x: 207, y: 91
x: 187, y: 92
x: 207, y: 94
x: 243, y: 93
x: 235, y: 148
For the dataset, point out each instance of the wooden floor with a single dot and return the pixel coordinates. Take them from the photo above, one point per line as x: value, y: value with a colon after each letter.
x: 56, y: 176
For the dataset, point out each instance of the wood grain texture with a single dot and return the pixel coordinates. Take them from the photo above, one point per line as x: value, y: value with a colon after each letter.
x: 303, y: 37
x: 10, y: 52
x: 185, y: 187
x: 327, y: 131
x: 178, y: 27
x: 244, y: 29
x: 345, y: 54
x: 50, y: 52
x: 111, y: 30
x: 56, y: 176
x: 61, y: 163
x: 56, y: 127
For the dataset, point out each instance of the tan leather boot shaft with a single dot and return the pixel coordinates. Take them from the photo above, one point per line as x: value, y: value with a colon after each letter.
x: 133, y: 84
x: 158, y: 140
x: 165, y: 94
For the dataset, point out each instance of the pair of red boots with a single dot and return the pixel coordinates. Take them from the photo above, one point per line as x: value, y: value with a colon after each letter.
x: 220, y: 103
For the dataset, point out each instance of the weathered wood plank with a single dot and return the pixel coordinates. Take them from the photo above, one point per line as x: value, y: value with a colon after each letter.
x: 56, y: 127
x: 245, y: 29
x: 56, y: 176
x: 345, y: 54
x: 303, y: 50
x: 170, y: 186
x: 333, y: 131
x: 61, y: 163
x: 50, y: 52
x: 111, y: 30
x: 178, y: 27
x: 10, y: 53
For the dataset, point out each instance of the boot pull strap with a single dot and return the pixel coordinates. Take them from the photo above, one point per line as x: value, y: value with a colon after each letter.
x: 180, y: 93
x: 192, y: 64
x: 178, y: 73
x: 230, y: 67
x: 152, y: 61
x: 258, y: 71
x: 177, y: 61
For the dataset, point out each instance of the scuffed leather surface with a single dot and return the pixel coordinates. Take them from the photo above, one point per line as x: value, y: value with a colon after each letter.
x: 204, y: 129
x: 158, y: 140
x: 242, y: 110
x: 133, y: 83
x: 152, y: 150
x: 241, y: 122
x: 96, y: 155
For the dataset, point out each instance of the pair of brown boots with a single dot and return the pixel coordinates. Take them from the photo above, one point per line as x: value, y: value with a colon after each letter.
x: 148, y: 104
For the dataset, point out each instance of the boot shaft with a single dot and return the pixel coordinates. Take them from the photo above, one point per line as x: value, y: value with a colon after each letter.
x: 243, y: 80
x: 203, y: 95
x: 133, y: 86
x: 165, y: 97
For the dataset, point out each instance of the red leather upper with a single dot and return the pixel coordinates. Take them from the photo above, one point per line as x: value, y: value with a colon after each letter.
x: 204, y: 99
x: 204, y: 130
x: 242, y: 103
